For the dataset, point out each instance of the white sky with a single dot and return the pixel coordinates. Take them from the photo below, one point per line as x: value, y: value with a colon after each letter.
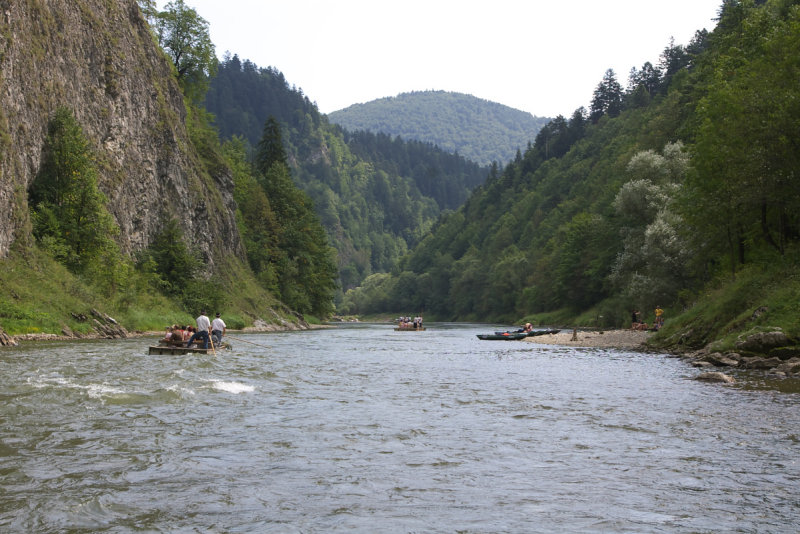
x: 541, y: 56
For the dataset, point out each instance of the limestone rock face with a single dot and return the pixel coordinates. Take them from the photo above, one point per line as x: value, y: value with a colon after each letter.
x: 99, y: 59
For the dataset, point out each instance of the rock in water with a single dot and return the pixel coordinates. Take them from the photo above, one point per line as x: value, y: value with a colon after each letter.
x: 716, y: 377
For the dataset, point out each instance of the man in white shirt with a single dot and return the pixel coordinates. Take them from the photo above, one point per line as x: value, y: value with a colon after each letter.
x: 203, y: 329
x: 218, y: 330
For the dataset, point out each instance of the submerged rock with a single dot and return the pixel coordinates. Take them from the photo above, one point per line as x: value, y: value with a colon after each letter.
x: 716, y: 376
x: 721, y: 360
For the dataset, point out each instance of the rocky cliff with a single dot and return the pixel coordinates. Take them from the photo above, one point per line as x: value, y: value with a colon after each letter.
x: 98, y: 58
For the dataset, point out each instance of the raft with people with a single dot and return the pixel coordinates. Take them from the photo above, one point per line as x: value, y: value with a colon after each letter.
x: 177, y: 340
x: 407, y: 324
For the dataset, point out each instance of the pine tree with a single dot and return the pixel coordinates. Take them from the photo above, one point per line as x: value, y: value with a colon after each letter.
x: 69, y: 211
x: 607, y: 99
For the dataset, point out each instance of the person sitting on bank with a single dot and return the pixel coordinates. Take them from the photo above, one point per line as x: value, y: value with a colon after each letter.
x: 203, y: 330
x: 218, y: 329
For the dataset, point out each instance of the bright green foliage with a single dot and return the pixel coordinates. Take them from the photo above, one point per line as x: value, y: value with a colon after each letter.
x: 184, y: 36
x: 69, y: 214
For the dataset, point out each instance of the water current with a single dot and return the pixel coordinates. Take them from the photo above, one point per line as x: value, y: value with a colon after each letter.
x: 360, y: 428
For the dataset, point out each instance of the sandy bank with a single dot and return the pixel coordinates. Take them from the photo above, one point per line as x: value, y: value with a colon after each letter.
x: 617, y: 339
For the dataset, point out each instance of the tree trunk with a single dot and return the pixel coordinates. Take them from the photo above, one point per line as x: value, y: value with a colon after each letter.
x: 765, y: 228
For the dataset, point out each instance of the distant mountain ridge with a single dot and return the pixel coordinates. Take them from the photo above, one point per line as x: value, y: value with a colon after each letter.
x: 479, y: 130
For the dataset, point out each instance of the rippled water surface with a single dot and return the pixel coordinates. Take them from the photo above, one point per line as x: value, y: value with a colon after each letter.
x: 361, y: 428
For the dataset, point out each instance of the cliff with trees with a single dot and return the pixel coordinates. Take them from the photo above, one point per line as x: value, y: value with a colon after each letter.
x: 117, y: 192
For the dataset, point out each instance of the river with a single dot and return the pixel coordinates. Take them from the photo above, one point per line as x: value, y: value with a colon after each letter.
x: 361, y: 428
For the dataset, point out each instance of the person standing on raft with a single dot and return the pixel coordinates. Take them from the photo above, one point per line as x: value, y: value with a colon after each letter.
x: 218, y: 329
x: 203, y: 330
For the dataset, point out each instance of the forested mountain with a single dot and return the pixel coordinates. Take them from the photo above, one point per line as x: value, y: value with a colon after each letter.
x: 375, y: 195
x: 661, y: 194
x: 478, y: 129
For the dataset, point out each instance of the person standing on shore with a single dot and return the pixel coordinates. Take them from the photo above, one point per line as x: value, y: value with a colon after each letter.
x: 659, y: 318
x: 203, y: 330
x: 218, y: 329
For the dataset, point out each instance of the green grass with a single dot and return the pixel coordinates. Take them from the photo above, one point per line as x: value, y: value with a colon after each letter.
x: 39, y: 295
x: 724, y: 312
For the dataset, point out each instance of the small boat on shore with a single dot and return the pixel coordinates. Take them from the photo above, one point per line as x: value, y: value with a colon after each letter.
x: 543, y: 332
x: 507, y: 336
x: 530, y: 333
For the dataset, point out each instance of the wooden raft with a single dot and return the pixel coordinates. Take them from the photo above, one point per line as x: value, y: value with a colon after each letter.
x: 167, y: 347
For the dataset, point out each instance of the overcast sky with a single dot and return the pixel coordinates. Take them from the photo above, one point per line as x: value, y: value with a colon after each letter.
x: 544, y: 57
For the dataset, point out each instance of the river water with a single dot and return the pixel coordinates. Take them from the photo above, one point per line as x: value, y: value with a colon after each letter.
x: 361, y: 428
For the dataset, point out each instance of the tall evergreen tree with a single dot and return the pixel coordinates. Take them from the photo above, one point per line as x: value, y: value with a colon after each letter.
x: 607, y: 98
x: 304, y: 261
x: 69, y: 211
x: 270, y: 147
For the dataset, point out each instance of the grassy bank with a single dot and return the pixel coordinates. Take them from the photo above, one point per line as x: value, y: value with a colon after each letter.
x: 39, y: 295
x: 764, y: 296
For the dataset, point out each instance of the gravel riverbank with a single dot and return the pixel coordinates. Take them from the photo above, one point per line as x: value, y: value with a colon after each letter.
x: 618, y: 339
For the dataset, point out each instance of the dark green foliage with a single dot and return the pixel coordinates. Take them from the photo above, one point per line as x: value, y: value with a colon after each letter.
x: 69, y: 215
x: 304, y: 263
x: 375, y: 195
x: 607, y: 98
x: 477, y: 129
x: 174, y: 270
x: 745, y: 190
x: 242, y: 96
x: 172, y: 259
x: 446, y: 178
x: 257, y: 223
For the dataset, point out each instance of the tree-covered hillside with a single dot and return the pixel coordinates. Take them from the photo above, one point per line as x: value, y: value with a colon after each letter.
x: 376, y: 196
x: 478, y: 129
x: 682, y: 182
